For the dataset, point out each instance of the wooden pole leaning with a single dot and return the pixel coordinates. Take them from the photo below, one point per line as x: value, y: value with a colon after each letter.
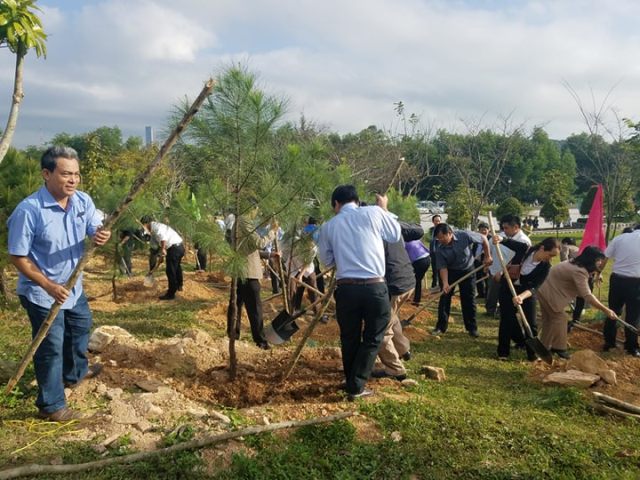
x: 307, y: 333
x: 90, y: 247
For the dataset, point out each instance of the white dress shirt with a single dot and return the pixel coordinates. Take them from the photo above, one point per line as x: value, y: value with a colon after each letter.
x: 625, y: 249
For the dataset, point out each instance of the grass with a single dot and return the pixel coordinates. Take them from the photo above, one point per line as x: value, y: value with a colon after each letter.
x: 488, y: 420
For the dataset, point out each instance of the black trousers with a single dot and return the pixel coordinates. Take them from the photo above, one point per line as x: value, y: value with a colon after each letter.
x: 482, y: 286
x: 248, y: 294
x: 623, y: 292
x: 297, y: 297
x: 201, y: 257
x: 467, y: 299
x: 319, y: 278
x: 509, y: 327
x: 363, y: 313
x: 275, y: 281
x: 420, y: 268
x: 173, y: 268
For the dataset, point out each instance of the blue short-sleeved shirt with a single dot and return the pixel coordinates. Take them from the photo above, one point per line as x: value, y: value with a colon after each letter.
x: 53, y: 239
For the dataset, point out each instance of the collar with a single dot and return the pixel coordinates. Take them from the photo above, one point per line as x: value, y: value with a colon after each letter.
x: 348, y: 206
x: 48, y: 201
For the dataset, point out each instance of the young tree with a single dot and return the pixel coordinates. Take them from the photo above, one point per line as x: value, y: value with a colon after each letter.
x: 557, y: 194
x: 20, y: 31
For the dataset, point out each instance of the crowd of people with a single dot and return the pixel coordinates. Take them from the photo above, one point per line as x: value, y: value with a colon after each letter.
x: 379, y: 263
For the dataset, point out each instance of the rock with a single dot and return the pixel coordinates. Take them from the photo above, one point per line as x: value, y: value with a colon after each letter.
x: 112, y: 363
x: 198, y: 412
x: 572, y: 378
x: 144, y: 426
x: 67, y: 392
x: 101, y: 389
x: 109, y: 440
x: 434, y: 373
x: 7, y: 369
x: 113, y: 393
x: 396, y: 437
x: 148, y: 384
x: 99, y: 448
x: 609, y: 376
x: 220, y: 416
x: 104, y: 335
x: 266, y: 421
x: 410, y: 382
x: 123, y: 413
x: 154, y: 411
x: 587, y: 361
x: 199, y: 336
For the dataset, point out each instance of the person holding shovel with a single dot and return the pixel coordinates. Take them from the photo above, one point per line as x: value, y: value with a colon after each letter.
x: 353, y: 241
x: 566, y: 281
x: 454, y: 260
x: 171, y: 249
x: 533, y: 265
x: 46, y: 242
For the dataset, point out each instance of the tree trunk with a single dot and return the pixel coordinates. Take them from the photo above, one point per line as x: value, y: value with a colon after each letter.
x: 4, y: 288
x: 18, y: 95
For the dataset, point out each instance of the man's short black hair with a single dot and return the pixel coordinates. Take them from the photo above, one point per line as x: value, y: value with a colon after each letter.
x: 483, y: 225
x: 441, y: 228
x: 436, y: 215
x: 344, y: 194
x: 511, y: 220
x: 312, y: 221
x: 146, y: 219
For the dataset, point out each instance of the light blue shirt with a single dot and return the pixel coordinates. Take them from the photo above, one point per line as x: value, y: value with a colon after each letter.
x: 353, y: 241
x: 53, y: 239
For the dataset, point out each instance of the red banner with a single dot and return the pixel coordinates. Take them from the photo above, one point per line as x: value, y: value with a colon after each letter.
x: 594, y: 229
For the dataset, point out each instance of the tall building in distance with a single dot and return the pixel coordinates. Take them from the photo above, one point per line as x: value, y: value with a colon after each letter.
x: 149, y: 137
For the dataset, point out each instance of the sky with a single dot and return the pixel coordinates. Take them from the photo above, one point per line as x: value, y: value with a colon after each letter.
x: 342, y: 64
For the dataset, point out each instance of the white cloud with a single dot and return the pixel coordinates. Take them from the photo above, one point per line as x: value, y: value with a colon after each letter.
x: 342, y: 63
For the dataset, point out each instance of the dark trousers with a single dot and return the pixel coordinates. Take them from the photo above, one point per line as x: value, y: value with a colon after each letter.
x: 201, y: 257
x: 248, y: 294
x: 363, y: 313
x: 435, y: 278
x: 275, y: 281
x: 297, y: 297
x: 62, y: 356
x: 509, y: 327
x: 173, y: 268
x: 491, y: 295
x: 319, y: 278
x: 124, y: 263
x: 467, y: 299
x: 623, y: 292
x: 481, y: 286
x: 154, y: 257
x: 420, y: 268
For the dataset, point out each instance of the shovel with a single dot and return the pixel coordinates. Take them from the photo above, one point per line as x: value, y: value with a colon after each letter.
x: 627, y: 325
x: 149, y: 281
x: 532, y: 342
x: 284, y: 324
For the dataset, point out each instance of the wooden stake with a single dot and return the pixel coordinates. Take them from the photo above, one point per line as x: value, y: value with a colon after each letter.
x: 629, y: 407
x: 191, y: 445
x: 90, y: 247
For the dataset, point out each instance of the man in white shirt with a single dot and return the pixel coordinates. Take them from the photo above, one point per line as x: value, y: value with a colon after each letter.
x: 353, y: 242
x: 172, y: 249
x: 624, y: 288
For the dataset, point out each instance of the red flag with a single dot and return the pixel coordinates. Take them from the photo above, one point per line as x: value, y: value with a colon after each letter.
x: 594, y: 229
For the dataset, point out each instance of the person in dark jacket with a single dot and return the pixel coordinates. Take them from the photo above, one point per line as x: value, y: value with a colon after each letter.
x: 433, y: 245
x: 400, y: 281
x: 534, y: 265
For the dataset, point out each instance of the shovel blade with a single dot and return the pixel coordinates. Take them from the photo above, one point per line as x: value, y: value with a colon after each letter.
x: 149, y: 281
x: 540, y: 350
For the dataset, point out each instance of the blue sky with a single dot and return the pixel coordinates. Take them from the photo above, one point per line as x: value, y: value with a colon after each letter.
x: 456, y: 64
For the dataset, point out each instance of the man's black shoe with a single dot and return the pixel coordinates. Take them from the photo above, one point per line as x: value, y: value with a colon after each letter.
x: 474, y: 334
x: 634, y: 353
x: 166, y: 296
x: 561, y: 353
x: 608, y: 347
x: 264, y: 346
x: 406, y: 357
x: 436, y: 332
x: 383, y: 374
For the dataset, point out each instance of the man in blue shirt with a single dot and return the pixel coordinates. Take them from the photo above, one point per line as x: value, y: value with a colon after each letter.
x: 454, y: 260
x: 46, y: 242
x: 353, y: 242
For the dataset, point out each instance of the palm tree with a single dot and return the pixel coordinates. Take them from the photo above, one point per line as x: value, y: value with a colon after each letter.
x: 20, y: 31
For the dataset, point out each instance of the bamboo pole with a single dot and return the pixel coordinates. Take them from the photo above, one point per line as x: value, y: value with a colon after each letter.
x: 90, y: 247
x: 191, y: 445
x: 629, y: 407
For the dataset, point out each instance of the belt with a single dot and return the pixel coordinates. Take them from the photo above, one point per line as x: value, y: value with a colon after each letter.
x: 360, y: 281
x: 174, y: 245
